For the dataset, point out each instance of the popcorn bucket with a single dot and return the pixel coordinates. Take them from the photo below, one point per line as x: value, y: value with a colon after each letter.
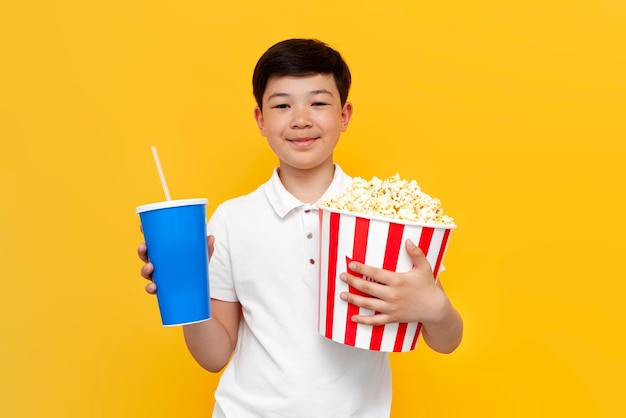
x: 378, y: 242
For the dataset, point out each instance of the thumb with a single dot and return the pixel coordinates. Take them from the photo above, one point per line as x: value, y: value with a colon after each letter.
x: 416, y: 254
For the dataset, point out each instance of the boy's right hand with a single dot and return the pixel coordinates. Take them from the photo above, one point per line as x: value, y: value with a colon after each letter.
x: 148, y: 268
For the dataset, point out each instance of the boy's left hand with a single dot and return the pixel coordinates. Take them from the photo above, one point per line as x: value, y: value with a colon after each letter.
x: 413, y: 296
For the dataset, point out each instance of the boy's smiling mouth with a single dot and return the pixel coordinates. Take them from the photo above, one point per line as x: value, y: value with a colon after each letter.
x: 302, y: 142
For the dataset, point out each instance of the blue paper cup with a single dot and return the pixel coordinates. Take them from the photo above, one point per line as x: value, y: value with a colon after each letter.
x: 175, y: 234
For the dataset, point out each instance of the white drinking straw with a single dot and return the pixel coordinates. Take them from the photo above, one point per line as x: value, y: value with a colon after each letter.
x: 155, y: 154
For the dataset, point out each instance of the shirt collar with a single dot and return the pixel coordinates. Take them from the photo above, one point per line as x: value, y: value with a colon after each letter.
x: 284, y: 202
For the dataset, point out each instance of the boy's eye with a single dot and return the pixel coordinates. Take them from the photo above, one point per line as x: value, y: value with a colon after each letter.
x: 281, y: 106
x: 320, y: 104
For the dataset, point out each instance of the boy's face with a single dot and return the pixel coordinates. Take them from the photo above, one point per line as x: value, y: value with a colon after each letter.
x: 302, y: 119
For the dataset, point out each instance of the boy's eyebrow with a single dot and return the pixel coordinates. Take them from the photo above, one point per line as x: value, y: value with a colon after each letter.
x: 321, y: 91
x: 311, y: 93
x: 274, y: 95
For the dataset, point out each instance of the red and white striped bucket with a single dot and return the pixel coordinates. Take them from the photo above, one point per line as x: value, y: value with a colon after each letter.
x: 379, y: 242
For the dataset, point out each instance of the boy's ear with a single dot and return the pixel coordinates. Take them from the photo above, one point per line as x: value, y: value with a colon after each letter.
x: 258, y: 116
x: 346, y: 114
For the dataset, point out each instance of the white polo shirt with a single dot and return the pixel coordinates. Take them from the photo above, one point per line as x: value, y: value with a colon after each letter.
x: 266, y: 257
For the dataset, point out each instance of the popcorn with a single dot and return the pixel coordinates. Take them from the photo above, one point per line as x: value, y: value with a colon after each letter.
x: 393, y: 198
x: 369, y: 223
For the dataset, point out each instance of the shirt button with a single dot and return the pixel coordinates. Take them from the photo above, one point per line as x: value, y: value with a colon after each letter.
x: 309, y: 235
x: 307, y: 210
x: 311, y: 261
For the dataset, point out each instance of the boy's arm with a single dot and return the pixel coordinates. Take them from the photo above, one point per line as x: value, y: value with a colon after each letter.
x: 212, y: 342
x: 413, y: 296
x: 444, y: 335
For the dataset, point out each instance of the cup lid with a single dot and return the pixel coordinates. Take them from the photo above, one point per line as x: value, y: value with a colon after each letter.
x: 170, y: 204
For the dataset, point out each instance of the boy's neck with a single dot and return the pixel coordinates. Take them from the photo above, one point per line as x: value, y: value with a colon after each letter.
x: 307, y: 186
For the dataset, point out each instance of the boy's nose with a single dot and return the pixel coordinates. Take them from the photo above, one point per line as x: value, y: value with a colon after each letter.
x: 300, y: 119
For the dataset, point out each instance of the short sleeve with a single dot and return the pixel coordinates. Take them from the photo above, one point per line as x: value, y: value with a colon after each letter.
x: 221, y: 283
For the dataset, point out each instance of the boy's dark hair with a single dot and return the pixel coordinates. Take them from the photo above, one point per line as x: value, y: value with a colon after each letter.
x: 300, y: 57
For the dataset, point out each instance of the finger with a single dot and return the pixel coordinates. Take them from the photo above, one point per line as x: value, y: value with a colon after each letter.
x: 147, y: 270
x: 151, y: 288
x: 141, y: 228
x: 211, y: 244
x: 366, y: 302
x: 142, y: 251
x: 378, y: 319
x: 368, y: 287
x: 378, y: 275
x: 417, y: 255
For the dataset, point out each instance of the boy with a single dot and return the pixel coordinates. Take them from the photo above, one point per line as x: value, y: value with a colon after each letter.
x: 264, y: 266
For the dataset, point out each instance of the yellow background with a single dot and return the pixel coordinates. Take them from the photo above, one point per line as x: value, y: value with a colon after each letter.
x: 512, y: 112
